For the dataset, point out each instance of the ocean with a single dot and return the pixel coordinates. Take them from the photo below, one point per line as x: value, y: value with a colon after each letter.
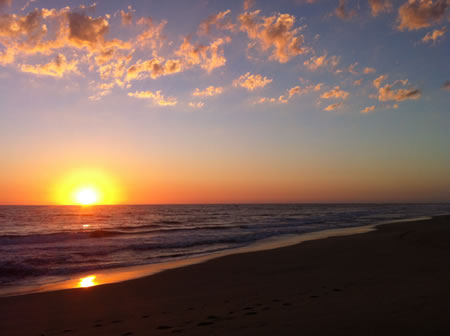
x: 43, y: 244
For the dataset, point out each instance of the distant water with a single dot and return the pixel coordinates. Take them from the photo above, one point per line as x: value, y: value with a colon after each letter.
x: 41, y: 244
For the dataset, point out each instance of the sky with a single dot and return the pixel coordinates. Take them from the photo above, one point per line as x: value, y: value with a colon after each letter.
x: 225, y: 101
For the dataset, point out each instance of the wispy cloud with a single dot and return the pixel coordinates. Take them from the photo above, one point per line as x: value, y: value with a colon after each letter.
x: 446, y: 85
x: 335, y: 93
x: 368, y: 109
x: 434, y: 35
x: 157, y: 97
x: 208, y: 57
x: 208, y: 92
x: 377, y: 81
x: 56, y: 68
x: 127, y: 17
x: 388, y: 93
x: 251, y: 82
x: 342, y: 12
x: 380, y: 6
x: 276, y: 33
x: 196, y: 105
x: 220, y: 20
x: 368, y: 70
x: 317, y: 62
x: 333, y: 107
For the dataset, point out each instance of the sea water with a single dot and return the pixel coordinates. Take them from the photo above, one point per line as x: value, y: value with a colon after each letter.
x: 43, y: 244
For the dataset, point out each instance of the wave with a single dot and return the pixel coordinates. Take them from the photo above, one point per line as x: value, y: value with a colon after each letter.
x: 124, y: 231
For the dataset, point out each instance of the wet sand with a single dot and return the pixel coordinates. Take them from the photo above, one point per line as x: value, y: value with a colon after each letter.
x: 392, y: 281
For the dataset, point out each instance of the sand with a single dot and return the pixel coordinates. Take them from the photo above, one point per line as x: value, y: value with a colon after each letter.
x: 393, y: 281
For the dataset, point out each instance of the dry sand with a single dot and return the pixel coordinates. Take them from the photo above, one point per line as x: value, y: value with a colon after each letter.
x: 393, y: 281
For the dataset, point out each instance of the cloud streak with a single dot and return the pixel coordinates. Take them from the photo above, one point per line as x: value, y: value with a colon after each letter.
x: 157, y: 97
x: 333, y: 107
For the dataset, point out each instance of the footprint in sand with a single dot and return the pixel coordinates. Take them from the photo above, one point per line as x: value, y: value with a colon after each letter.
x: 164, y: 327
x: 251, y: 313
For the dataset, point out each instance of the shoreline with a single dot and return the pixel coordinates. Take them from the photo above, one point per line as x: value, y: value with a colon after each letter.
x: 389, y: 281
x: 117, y: 275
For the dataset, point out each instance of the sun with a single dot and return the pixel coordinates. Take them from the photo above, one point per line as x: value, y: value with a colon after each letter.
x: 88, y: 281
x: 87, y: 196
x: 86, y: 187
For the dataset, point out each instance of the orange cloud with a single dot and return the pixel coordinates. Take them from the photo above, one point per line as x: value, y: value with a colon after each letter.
x: 274, y: 32
x: 336, y: 93
x: 292, y: 92
x: 85, y: 31
x: 127, y: 17
x: 248, y: 4
x: 220, y: 20
x: 358, y: 82
x: 434, y: 35
x: 387, y: 93
x: 251, y: 82
x: 377, y: 82
x: 57, y: 68
x: 368, y: 70
x: 333, y: 107
x: 342, y: 12
x: 154, y: 68
x: 7, y: 56
x: 207, y: 57
x: 368, y: 109
x: 446, y: 86
x: 352, y: 67
x: 28, y: 26
x: 113, y: 68
x: 316, y: 62
x: 157, y: 97
x: 263, y: 100
x: 208, y: 92
x: 380, y: 6
x: 196, y: 105
x: 417, y: 14
x: 152, y: 36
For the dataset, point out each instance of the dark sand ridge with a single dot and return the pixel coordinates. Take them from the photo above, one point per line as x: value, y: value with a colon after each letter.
x: 392, y: 281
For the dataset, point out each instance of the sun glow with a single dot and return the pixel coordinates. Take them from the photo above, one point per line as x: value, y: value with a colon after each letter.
x: 88, y: 281
x: 86, y: 187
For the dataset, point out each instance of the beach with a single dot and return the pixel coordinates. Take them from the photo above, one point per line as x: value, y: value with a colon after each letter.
x: 391, y: 281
